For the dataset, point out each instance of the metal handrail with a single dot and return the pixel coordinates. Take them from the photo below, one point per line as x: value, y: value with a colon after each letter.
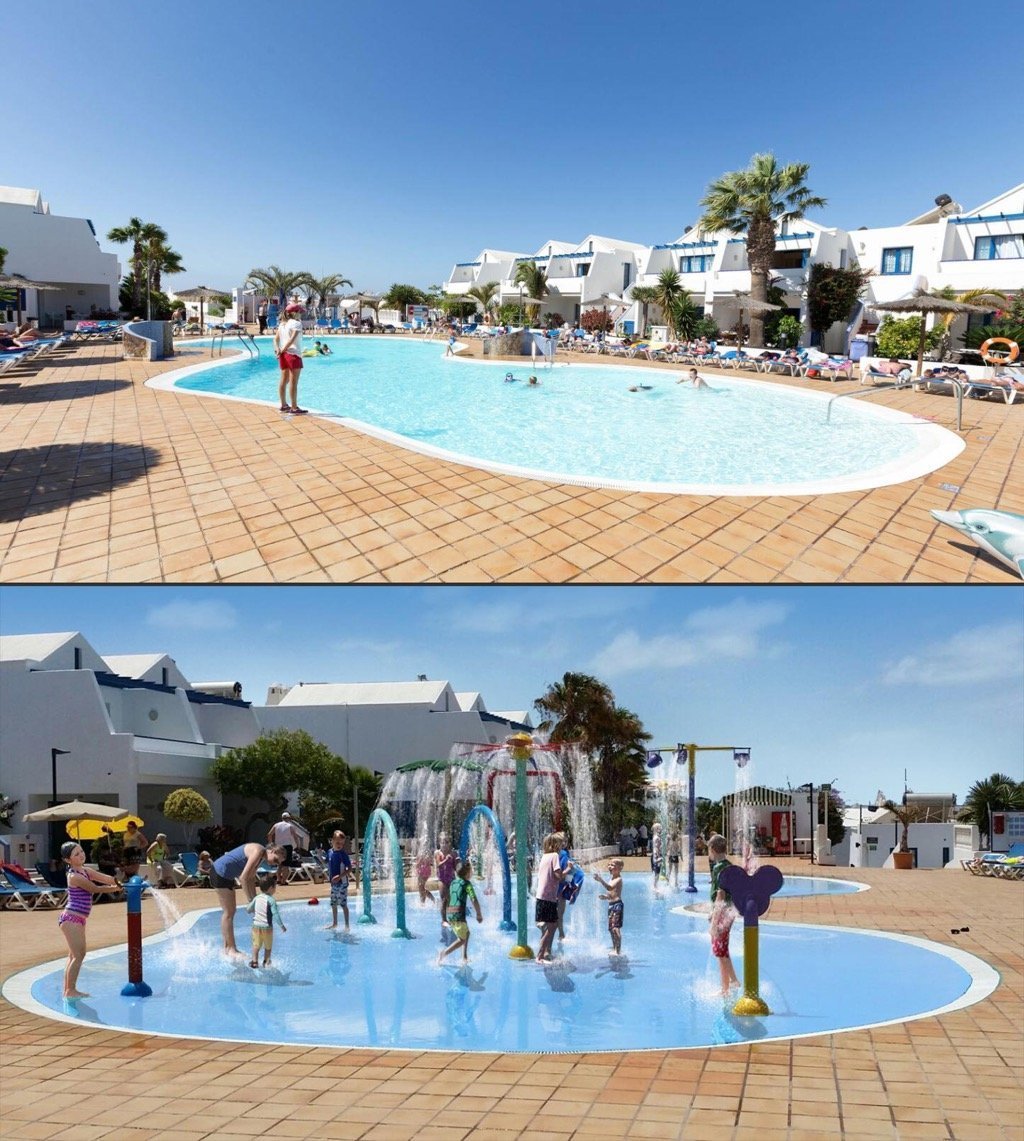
x: 246, y: 339
x: 911, y: 382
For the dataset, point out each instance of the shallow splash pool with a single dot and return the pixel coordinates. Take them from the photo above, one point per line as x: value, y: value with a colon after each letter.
x: 368, y: 989
x: 583, y: 425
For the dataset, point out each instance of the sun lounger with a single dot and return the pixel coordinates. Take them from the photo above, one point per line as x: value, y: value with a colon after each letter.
x: 1009, y: 390
x: 186, y: 870
x: 27, y: 890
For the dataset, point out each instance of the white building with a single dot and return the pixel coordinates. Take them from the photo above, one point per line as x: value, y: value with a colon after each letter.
x: 381, y: 725
x: 60, y: 251
x: 121, y: 730
x: 948, y: 246
x: 874, y: 833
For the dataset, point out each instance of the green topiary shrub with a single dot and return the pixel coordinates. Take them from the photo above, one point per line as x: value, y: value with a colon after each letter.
x: 188, y: 808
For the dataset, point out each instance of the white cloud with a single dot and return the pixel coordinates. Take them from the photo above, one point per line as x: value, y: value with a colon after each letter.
x: 536, y: 609
x: 205, y: 614
x: 970, y: 657
x: 735, y: 632
x: 368, y: 647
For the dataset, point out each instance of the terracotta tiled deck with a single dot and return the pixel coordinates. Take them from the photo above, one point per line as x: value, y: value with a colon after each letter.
x: 105, y: 480
x: 955, y: 1076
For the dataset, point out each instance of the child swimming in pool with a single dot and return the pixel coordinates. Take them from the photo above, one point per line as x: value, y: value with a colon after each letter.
x: 461, y: 892
x: 613, y: 894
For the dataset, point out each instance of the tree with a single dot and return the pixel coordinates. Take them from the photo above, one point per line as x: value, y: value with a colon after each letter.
x: 534, y: 281
x: 832, y: 804
x: 996, y: 793
x: 276, y: 282
x: 189, y: 808
x: 3, y: 257
x: 967, y: 297
x: 7, y: 807
x: 668, y: 292
x: 750, y: 202
x: 832, y: 294
x: 485, y: 295
x: 277, y: 763
x: 906, y: 814
x: 319, y: 288
x: 596, y: 321
x: 143, y: 236
x: 646, y: 296
x: 162, y: 259
x: 899, y: 337
x: 399, y: 296
x: 581, y: 710
x: 159, y: 304
x: 685, y: 316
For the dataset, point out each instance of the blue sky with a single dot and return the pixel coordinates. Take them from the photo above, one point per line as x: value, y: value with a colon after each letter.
x: 847, y: 683
x: 387, y: 141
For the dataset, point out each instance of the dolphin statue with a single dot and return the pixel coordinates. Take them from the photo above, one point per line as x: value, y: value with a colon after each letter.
x: 1001, y: 533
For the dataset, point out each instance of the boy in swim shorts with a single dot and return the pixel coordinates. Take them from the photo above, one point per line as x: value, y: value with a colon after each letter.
x: 613, y: 893
x: 723, y: 914
x: 265, y: 913
x: 461, y: 892
x: 339, y: 872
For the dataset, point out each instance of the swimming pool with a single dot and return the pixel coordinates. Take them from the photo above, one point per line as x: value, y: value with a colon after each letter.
x: 369, y: 989
x: 583, y: 425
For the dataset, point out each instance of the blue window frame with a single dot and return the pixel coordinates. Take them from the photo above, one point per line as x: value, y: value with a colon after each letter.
x: 995, y: 249
x: 695, y: 263
x: 897, y: 259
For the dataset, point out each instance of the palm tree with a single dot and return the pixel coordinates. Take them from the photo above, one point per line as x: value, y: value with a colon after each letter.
x: 750, y: 202
x: 646, y: 296
x: 485, y: 295
x: 535, y: 282
x: 318, y: 288
x: 668, y: 292
x: 162, y: 259
x: 399, y: 296
x: 685, y: 316
x: 277, y: 282
x: 142, y: 235
x: 967, y: 297
x: 996, y: 793
x: 581, y: 710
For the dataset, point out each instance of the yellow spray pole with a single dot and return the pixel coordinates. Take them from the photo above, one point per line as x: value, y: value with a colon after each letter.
x: 752, y: 895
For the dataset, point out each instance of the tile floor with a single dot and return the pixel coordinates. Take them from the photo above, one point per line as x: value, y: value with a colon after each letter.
x: 957, y: 1076
x: 105, y: 480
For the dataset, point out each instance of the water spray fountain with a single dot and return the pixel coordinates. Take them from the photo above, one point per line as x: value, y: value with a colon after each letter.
x: 135, y: 987
x: 752, y: 895
x: 381, y: 816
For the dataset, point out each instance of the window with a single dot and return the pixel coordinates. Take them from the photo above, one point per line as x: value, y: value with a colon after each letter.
x: 1015, y: 825
x: 897, y: 259
x: 627, y: 274
x: 995, y: 249
x: 582, y: 268
x: 872, y: 843
x: 695, y: 263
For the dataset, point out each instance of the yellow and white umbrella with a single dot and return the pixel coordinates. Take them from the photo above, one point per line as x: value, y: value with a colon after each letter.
x: 93, y: 829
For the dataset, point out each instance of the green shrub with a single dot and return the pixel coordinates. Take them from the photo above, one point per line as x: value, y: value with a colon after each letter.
x: 789, y: 331
x: 975, y: 338
x: 707, y: 328
x: 900, y: 337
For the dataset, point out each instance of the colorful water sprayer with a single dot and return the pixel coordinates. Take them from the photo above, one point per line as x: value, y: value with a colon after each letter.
x: 135, y: 987
x: 752, y: 895
x: 520, y: 748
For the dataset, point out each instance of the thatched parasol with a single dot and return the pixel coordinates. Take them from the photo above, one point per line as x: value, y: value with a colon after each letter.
x: 201, y: 293
x: 17, y: 282
x: 923, y: 302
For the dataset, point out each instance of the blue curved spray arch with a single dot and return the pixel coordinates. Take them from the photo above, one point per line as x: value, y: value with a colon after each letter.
x: 506, y: 923
x: 382, y: 815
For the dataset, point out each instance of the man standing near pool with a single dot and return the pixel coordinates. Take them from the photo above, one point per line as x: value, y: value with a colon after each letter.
x: 288, y: 346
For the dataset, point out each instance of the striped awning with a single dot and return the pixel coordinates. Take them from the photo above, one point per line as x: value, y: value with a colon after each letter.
x: 759, y: 797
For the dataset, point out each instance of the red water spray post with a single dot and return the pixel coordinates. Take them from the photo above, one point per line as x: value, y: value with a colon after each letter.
x: 135, y: 987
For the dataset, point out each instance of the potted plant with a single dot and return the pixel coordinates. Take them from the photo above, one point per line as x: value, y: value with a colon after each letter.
x: 903, y: 857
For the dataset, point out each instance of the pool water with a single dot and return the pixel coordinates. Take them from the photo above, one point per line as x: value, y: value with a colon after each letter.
x: 371, y: 990
x: 582, y: 424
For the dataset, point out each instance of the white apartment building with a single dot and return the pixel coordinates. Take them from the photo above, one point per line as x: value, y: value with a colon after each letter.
x: 381, y: 725
x: 122, y: 730
x: 59, y: 251
x: 947, y: 246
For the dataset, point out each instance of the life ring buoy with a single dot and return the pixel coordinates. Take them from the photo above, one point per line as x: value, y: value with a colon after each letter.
x: 1012, y: 353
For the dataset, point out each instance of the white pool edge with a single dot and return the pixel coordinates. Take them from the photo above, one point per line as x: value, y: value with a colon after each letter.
x: 17, y: 990
x: 945, y: 445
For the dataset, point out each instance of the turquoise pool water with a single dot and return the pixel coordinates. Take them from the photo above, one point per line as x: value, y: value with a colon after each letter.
x: 582, y: 424
x: 369, y: 989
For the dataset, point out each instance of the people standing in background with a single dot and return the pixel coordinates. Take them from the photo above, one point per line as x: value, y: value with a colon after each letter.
x: 261, y: 316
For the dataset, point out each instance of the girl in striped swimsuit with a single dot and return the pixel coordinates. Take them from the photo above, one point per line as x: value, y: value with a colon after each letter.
x: 82, y: 886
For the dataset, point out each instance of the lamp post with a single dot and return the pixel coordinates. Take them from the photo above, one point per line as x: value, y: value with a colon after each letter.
x: 54, y: 754
x: 521, y: 322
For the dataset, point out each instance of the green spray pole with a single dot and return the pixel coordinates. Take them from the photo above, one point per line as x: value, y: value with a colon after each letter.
x: 520, y: 747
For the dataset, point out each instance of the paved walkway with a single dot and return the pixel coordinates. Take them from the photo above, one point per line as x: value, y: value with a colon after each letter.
x: 105, y: 480
x: 959, y: 1075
